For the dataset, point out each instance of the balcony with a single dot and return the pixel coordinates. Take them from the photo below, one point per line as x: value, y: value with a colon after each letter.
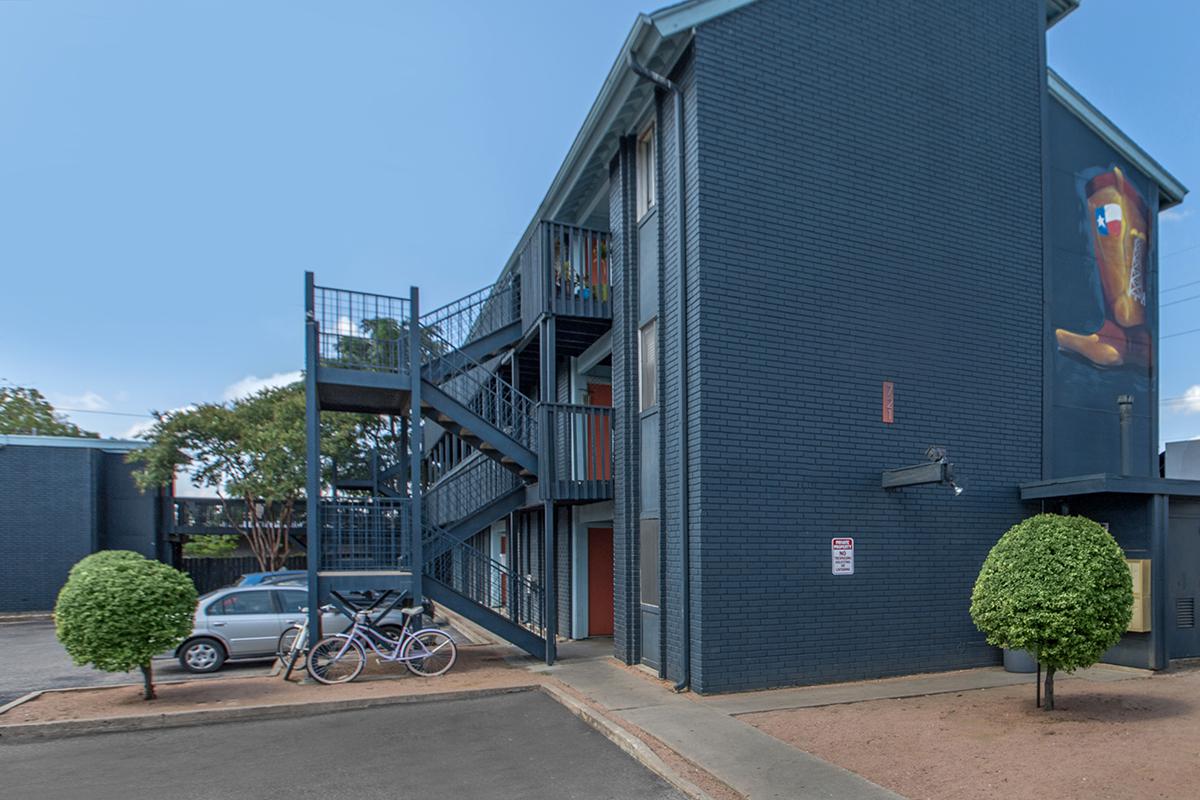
x: 564, y: 270
x: 579, y: 463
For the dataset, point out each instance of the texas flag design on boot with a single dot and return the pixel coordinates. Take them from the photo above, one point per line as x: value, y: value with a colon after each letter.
x: 1108, y: 220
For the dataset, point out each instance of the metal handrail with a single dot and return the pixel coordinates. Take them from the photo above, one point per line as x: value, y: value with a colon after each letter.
x: 474, y: 316
x: 470, y: 486
x: 486, y: 581
x: 483, y: 392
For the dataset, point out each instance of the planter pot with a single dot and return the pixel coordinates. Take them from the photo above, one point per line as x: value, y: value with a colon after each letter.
x: 1019, y: 661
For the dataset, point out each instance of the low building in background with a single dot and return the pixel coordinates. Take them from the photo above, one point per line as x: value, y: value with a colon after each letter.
x: 61, y: 499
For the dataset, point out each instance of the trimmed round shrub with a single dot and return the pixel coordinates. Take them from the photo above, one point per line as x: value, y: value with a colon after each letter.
x: 1055, y: 586
x: 119, y: 609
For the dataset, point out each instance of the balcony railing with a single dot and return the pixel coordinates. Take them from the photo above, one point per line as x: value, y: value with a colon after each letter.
x: 565, y: 270
x: 211, y: 515
x: 365, y: 535
x: 581, y: 451
x: 361, y: 331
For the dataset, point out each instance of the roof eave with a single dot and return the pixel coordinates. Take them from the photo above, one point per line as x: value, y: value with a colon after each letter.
x: 1171, y: 190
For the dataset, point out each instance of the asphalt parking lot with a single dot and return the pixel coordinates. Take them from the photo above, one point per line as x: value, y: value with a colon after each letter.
x: 33, y: 659
x: 522, y: 745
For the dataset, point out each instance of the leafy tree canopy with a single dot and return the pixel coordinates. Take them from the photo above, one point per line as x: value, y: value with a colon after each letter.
x: 211, y: 545
x: 25, y: 411
x: 254, y: 450
x: 118, y: 610
x: 1057, y: 587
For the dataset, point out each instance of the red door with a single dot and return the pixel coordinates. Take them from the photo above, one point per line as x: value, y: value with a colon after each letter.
x: 600, y: 581
x: 599, y: 435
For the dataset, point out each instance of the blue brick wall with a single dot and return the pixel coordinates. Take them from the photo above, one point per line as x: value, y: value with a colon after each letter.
x: 626, y: 433
x: 868, y: 208
x: 49, y: 519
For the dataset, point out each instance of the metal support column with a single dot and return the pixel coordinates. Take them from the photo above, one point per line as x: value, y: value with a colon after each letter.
x: 549, y: 389
x: 415, y: 442
x: 1159, y: 521
x: 312, y: 490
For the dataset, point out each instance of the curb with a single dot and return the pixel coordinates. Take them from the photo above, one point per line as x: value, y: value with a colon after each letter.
x: 43, y: 731
x: 630, y: 744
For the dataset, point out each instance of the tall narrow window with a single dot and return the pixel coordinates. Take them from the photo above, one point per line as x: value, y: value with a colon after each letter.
x: 648, y: 365
x: 647, y: 168
x: 648, y: 562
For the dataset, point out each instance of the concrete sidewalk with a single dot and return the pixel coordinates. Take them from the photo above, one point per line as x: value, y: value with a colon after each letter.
x: 751, y: 762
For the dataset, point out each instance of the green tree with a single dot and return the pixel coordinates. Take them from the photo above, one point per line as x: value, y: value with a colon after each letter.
x: 214, y: 545
x: 253, y: 453
x: 25, y: 411
x: 1057, y: 587
x: 118, y: 610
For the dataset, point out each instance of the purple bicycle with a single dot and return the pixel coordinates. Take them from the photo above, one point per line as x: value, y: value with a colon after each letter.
x: 341, y: 657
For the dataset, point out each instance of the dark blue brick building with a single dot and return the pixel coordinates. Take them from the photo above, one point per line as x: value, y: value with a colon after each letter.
x: 795, y: 245
x: 62, y: 499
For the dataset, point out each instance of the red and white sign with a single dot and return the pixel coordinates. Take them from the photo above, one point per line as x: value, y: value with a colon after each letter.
x: 843, y: 556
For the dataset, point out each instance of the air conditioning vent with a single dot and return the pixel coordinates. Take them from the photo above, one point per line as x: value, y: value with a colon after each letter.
x: 1185, y: 612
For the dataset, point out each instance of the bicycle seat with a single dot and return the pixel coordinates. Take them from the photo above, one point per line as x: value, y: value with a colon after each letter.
x: 411, y: 611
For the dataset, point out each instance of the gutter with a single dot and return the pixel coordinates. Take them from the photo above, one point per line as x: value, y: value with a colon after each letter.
x: 681, y: 233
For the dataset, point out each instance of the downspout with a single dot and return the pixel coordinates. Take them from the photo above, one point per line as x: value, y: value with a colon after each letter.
x: 681, y: 234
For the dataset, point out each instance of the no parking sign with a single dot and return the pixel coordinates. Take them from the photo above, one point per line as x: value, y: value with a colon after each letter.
x: 843, y: 556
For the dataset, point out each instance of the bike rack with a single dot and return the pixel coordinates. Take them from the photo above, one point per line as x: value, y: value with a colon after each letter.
x: 350, y: 609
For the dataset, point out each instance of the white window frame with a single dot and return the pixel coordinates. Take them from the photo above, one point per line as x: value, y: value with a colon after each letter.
x: 647, y: 171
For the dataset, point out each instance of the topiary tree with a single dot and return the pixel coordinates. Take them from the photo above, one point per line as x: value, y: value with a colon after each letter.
x: 119, y: 609
x: 1057, y: 587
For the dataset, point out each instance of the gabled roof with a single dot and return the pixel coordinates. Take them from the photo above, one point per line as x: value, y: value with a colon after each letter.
x: 1170, y: 190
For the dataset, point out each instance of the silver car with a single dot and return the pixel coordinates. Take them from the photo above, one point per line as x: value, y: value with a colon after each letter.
x: 246, y: 622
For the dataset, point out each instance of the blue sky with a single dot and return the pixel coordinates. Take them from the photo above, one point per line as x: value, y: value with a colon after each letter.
x: 168, y: 171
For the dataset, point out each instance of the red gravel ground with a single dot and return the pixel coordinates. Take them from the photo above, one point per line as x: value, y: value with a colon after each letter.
x: 1129, y: 740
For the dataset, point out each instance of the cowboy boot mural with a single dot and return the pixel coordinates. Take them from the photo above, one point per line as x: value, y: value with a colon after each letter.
x: 1120, y: 232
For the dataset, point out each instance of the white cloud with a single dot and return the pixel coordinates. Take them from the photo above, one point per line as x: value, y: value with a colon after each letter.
x: 1175, y: 214
x: 88, y: 401
x: 252, y: 384
x: 1189, y: 403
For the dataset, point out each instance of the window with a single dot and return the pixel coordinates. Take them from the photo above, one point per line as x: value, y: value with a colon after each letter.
x: 293, y: 602
x: 243, y: 603
x: 648, y: 563
x: 648, y: 365
x: 647, y: 169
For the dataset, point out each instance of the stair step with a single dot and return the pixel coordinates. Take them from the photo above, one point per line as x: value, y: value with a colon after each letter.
x: 486, y: 446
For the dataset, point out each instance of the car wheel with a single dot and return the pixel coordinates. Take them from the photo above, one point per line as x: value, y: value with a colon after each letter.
x: 202, y: 655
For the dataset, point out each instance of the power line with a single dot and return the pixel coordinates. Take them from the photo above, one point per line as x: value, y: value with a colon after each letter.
x: 1181, y: 300
x: 109, y: 413
x: 1177, y: 252
x: 1180, y: 286
x: 1180, y: 333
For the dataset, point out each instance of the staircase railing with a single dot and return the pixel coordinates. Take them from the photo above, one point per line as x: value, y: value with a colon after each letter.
x: 361, y: 331
x: 482, y: 391
x: 579, y: 466
x: 474, y: 316
x: 365, y: 535
x: 485, y: 581
x: 475, y: 483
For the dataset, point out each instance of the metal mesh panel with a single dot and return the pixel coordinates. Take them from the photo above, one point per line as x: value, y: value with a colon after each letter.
x: 363, y: 331
x: 364, y: 535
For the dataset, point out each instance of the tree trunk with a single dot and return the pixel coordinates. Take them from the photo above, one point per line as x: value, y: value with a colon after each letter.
x: 1048, y: 698
x: 148, y: 681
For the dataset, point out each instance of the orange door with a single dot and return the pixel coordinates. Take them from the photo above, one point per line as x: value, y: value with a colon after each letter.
x: 600, y: 581
x: 599, y: 435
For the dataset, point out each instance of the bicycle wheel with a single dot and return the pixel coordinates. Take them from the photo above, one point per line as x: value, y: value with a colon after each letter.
x: 336, y: 659
x: 429, y: 652
x: 287, y: 641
